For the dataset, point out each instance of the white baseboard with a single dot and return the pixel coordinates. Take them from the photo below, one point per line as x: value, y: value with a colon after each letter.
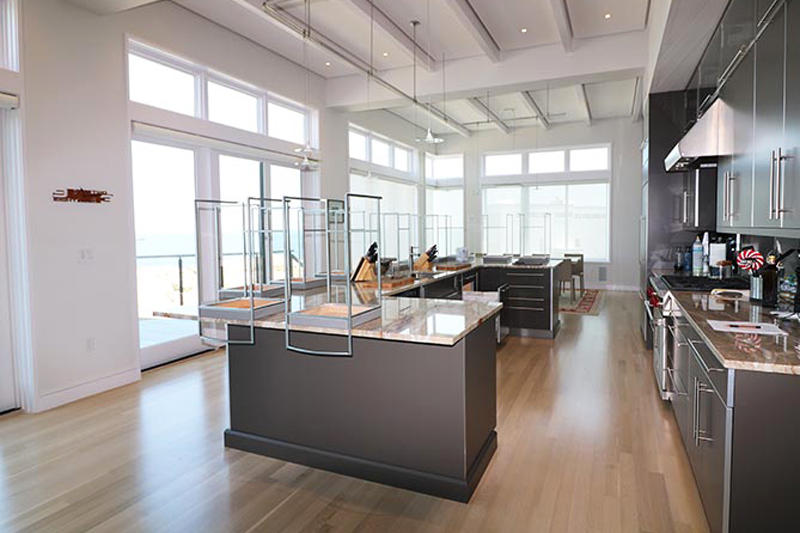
x: 65, y: 396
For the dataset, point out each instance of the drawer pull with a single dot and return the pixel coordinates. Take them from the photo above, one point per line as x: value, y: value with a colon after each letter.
x: 539, y: 309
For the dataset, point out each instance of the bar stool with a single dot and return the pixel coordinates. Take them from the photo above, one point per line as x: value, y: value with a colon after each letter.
x: 576, y: 268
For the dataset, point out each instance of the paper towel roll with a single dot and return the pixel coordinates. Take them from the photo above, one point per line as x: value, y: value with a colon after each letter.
x: 716, y: 253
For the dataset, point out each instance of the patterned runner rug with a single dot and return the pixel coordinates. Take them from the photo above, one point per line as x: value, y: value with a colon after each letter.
x: 588, y: 304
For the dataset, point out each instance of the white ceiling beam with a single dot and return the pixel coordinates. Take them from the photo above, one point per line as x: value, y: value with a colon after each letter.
x: 482, y: 108
x: 398, y: 35
x: 563, y: 23
x: 107, y: 7
x: 615, y: 57
x: 444, y: 120
x: 581, y: 90
x: 534, y: 108
x: 477, y: 29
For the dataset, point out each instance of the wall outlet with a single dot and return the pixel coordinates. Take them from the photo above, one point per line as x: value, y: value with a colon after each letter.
x: 86, y: 255
x: 90, y: 344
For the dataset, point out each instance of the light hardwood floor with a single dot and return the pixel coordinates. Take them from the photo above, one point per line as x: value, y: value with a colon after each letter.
x: 585, y: 444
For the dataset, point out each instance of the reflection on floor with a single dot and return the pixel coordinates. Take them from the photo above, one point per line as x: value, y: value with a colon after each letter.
x: 585, y: 444
x: 153, y: 331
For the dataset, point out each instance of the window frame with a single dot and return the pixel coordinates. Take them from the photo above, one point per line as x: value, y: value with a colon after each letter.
x: 204, y: 75
x: 390, y: 171
x: 524, y: 204
x: 567, y: 175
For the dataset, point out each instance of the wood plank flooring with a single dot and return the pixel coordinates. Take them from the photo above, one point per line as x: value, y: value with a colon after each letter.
x: 585, y: 445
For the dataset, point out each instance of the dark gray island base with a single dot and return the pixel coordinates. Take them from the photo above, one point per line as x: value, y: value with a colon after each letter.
x: 408, y: 414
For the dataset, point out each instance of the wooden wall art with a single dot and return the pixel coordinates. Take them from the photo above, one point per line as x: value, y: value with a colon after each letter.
x: 82, y: 196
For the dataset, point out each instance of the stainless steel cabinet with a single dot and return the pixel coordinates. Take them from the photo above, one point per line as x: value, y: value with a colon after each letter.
x: 789, y: 166
x: 699, y: 198
x: 769, y: 93
x: 735, y: 175
x: 712, y: 421
x: 738, y: 30
x: 679, y: 372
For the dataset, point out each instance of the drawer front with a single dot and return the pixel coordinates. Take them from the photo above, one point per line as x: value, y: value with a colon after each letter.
x: 526, y: 291
x: 491, y: 279
x: 529, y: 278
x: 529, y: 318
x: 527, y: 302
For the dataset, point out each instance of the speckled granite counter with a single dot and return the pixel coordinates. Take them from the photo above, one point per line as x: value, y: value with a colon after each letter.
x: 742, y: 351
x: 478, y: 263
x: 442, y: 322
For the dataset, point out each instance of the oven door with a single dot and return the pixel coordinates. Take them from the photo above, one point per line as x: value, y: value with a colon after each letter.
x: 647, y: 324
x: 660, y: 353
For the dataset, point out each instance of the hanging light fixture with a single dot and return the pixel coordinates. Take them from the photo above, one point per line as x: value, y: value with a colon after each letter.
x: 307, y: 150
x: 430, y: 137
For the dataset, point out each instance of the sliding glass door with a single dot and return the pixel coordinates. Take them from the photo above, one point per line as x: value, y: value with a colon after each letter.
x: 164, y: 187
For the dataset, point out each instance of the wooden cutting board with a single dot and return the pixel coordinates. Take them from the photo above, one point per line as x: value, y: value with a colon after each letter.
x: 334, y: 310
x: 453, y: 267
x: 389, y: 283
x: 245, y: 303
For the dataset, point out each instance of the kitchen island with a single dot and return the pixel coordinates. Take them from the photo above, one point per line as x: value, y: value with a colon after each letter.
x: 529, y: 293
x: 414, y: 406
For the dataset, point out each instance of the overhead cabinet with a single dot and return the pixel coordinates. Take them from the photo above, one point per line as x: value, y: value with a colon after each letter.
x: 759, y: 176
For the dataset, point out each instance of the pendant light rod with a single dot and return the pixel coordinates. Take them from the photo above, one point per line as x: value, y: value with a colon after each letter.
x: 290, y: 23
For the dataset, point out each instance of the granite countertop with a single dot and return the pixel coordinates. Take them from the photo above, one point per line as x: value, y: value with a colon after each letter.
x: 438, y: 276
x: 429, y: 321
x: 742, y: 351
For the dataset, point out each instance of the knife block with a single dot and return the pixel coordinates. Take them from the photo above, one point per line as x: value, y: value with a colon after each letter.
x: 423, y: 264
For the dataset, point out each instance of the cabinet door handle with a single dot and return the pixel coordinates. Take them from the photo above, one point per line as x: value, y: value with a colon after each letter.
x: 771, y: 184
x: 725, y: 192
x: 702, y: 435
x: 685, y: 206
x: 695, y: 415
x: 731, y: 181
x: 781, y: 200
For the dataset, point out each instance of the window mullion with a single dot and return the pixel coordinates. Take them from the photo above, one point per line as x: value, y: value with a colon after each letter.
x: 201, y: 92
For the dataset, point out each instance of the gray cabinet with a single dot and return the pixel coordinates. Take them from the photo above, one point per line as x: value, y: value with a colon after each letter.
x: 735, y: 176
x: 699, y: 198
x: 789, y: 166
x: 769, y: 91
x: 679, y: 374
x: 711, y: 433
x: 737, y: 31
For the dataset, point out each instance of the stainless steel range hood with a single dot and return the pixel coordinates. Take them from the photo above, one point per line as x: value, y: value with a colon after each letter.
x: 705, y: 140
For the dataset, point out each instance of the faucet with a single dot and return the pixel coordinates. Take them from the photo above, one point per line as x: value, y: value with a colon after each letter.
x: 411, y: 257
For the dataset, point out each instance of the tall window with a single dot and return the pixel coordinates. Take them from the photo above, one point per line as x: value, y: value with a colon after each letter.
x: 502, y: 208
x: 284, y: 181
x: 168, y: 82
x: 557, y: 203
x: 444, y: 202
x: 166, y: 258
x: 399, y: 215
x: 159, y: 85
x: 232, y: 107
x: 373, y: 148
x: 9, y: 35
x: 239, y: 179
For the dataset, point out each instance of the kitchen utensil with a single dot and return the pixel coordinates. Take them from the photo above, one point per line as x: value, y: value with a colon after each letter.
x: 756, y: 287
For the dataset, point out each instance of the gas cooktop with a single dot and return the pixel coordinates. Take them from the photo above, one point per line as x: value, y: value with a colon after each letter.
x: 704, y: 284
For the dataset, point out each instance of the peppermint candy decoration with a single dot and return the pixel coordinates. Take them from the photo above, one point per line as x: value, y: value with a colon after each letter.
x: 750, y: 260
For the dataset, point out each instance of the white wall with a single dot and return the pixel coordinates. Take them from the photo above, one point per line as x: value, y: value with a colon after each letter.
x: 77, y: 133
x: 625, y: 137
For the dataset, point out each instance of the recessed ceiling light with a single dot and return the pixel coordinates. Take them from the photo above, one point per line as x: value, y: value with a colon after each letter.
x: 607, y: 16
x: 524, y: 30
x: 327, y: 63
x: 386, y: 54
